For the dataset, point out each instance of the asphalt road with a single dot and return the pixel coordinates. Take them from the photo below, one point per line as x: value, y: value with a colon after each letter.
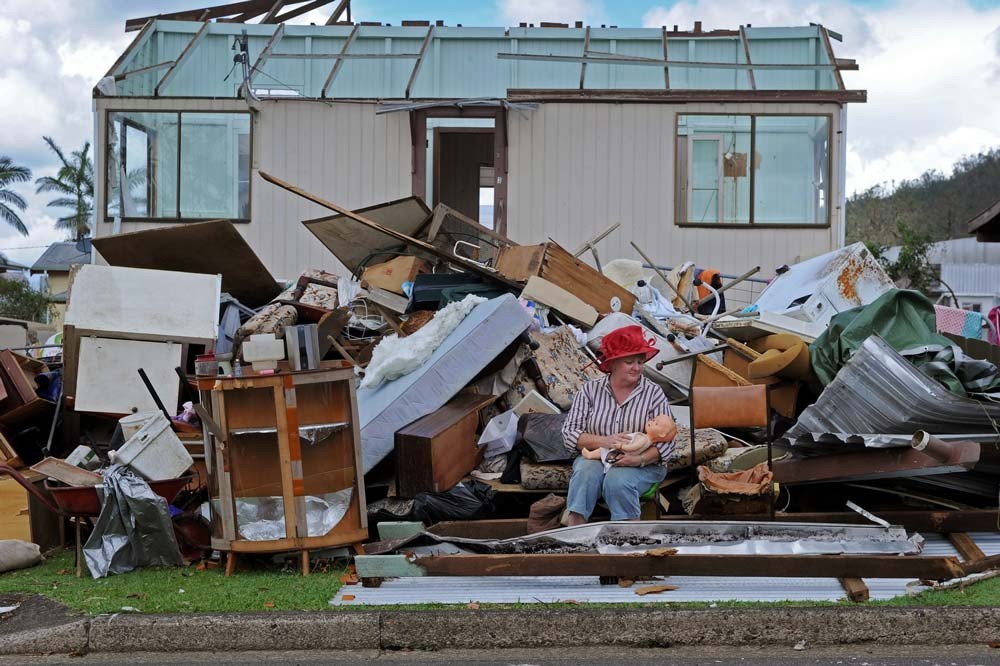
x: 936, y: 656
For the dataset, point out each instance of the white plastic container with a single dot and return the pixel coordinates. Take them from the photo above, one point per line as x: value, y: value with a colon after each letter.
x: 133, y: 423
x: 155, y: 452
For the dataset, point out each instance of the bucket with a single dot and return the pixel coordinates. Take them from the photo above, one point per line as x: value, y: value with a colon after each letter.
x: 155, y: 452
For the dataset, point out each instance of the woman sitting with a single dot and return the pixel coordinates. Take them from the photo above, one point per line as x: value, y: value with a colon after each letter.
x: 605, y: 414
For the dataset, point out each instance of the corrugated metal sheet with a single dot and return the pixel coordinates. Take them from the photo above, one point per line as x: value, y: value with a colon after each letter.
x: 575, y: 169
x: 552, y: 589
x: 969, y: 279
x: 339, y: 151
x: 878, y: 392
x: 462, y: 62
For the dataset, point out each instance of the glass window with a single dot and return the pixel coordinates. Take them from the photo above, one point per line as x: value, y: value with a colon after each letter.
x: 213, y: 165
x: 215, y: 162
x: 142, y: 154
x: 784, y: 179
x: 790, y: 185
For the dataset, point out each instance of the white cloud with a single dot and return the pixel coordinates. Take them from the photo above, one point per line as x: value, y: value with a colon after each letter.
x: 930, y: 69
x: 513, y: 12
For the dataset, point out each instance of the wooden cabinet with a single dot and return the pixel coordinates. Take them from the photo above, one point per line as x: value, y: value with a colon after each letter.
x: 286, y: 461
x: 437, y: 451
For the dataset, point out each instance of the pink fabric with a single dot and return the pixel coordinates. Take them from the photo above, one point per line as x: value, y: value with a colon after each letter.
x: 994, y: 318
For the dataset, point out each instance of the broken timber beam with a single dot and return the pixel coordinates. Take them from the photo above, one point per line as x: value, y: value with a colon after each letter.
x: 856, y: 589
x: 966, y: 547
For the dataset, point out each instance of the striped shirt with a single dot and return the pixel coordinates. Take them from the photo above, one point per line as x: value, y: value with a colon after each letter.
x: 595, y: 411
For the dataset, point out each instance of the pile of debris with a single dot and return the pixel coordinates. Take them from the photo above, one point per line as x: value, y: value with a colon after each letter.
x: 428, y: 381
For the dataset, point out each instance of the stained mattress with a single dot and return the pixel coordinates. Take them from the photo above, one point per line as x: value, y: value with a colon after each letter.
x: 479, y: 339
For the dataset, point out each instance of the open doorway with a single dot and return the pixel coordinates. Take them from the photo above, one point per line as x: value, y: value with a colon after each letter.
x: 463, y: 171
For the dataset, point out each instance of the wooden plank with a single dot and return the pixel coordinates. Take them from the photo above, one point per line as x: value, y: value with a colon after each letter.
x: 419, y: 62
x: 939, y: 522
x: 678, y: 96
x: 630, y: 566
x: 566, y: 271
x: 285, y: 462
x: 191, y: 45
x: 507, y: 528
x: 345, y: 5
x: 340, y: 61
x: 559, y: 299
x: 520, y: 262
x: 746, y: 51
x: 279, y: 32
x: 300, y: 10
x: 143, y: 70
x: 966, y: 546
x: 855, y: 588
x: 666, y: 56
x: 470, y: 266
x: 586, y: 49
x: 399, y: 529
x: 272, y: 13
x: 829, y: 52
x: 71, y: 475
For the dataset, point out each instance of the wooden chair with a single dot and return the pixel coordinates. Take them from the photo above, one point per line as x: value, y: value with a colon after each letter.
x: 731, y: 407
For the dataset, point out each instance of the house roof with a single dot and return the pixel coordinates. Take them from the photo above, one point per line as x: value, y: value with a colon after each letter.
x: 986, y: 225
x: 60, y: 256
x: 8, y: 265
x: 420, y: 61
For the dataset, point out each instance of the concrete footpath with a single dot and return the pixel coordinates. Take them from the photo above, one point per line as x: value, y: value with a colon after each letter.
x: 489, y: 629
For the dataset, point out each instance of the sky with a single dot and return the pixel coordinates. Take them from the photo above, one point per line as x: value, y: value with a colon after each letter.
x: 931, y: 69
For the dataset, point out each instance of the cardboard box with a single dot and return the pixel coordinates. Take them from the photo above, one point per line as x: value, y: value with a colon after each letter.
x: 392, y: 274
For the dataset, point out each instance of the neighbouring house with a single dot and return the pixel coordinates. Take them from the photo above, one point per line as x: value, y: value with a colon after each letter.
x: 55, y: 263
x: 11, y: 270
x: 967, y: 270
x: 725, y: 147
x: 986, y: 225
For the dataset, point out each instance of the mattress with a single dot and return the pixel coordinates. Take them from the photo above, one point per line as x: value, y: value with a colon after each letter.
x: 479, y: 339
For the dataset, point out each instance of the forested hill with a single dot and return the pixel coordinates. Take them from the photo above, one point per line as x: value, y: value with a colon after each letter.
x: 934, y: 204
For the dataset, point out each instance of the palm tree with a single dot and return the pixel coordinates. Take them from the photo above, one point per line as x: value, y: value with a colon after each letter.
x: 11, y: 173
x: 75, y: 183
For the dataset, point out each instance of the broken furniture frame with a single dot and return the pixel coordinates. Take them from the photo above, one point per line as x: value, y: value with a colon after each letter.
x: 261, y: 455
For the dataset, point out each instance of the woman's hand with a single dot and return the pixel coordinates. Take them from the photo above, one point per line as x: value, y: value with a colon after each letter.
x: 617, y: 441
x: 627, y: 460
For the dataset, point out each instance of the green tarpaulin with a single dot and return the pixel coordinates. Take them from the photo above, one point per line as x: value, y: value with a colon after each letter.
x: 906, y: 321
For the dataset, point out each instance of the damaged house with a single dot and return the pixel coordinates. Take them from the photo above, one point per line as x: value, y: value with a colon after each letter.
x: 727, y: 145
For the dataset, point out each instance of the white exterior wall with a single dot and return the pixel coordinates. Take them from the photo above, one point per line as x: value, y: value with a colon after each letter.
x: 341, y: 152
x: 576, y: 168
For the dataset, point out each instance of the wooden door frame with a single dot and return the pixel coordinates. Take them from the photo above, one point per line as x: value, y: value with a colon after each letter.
x: 418, y: 139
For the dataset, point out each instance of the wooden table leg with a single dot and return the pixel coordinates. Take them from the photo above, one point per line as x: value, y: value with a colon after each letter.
x: 230, y: 564
x: 79, y: 548
x: 305, y: 562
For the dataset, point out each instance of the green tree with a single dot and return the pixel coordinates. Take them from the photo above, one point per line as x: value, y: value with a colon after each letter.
x: 74, y: 183
x: 20, y: 301
x: 912, y: 269
x: 11, y: 201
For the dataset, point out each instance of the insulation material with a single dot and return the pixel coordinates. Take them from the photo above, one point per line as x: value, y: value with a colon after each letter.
x: 395, y: 356
x: 482, y: 336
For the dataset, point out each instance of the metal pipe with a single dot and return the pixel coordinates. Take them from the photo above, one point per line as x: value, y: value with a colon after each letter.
x: 932, y: 446
x: 663, y: 277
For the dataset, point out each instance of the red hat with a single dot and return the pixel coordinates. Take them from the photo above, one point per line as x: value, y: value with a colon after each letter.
x: 621, y: 342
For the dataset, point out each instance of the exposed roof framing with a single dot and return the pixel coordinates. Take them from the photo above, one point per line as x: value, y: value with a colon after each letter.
x: 345, y: 5
x: 986, y: 225
x: 266, y: 52
x: 675, y: 95
x: 340, y: 61
x: 829, y: 53
x: 615, y: 59
x: 746, y: 51
x: 142, y: 70
x: 419, y: 62
x: 666, y: 56
x: 586, y: 51
x: 240, y: 12
x: 169, y: 74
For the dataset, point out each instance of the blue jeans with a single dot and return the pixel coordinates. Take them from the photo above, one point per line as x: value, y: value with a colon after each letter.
x: 621, y: 487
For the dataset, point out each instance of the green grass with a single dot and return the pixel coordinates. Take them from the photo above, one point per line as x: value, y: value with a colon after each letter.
x: 175, y: 590
x: 274, y: 589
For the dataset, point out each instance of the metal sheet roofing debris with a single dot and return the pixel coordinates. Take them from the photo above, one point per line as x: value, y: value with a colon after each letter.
x: 552, y: 589
x: 689, y: 538
x: 879, y: 392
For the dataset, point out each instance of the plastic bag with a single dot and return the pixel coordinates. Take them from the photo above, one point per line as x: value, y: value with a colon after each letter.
x: 499, y: 435
x: 133, y: 530
x: 542, y: 434
x: 466, y: 501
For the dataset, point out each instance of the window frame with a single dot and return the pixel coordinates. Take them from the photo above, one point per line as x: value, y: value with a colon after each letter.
x: 177, y: 219
x: 679, y: 195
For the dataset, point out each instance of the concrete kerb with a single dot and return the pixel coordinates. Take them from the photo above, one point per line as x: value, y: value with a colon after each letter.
x: 522, y: 628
